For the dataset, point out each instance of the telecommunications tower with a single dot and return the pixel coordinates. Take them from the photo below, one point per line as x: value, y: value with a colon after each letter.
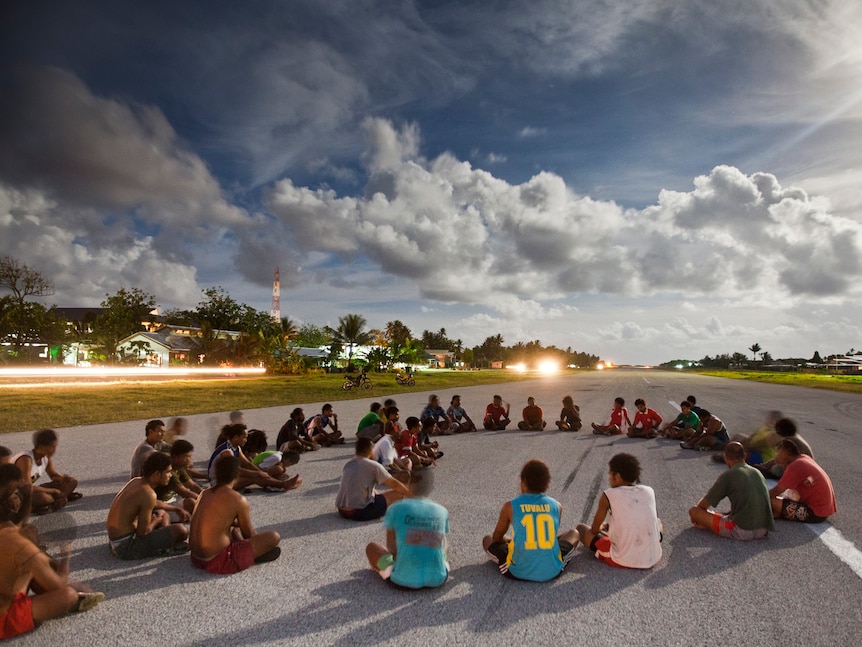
x: 275, y: 309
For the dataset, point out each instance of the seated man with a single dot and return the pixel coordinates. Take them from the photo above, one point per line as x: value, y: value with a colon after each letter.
x: 384, y: 451
x: 154, y: 434
x: 414, y: 556
x: 357, y: 498
x: 249, y: 473
x: 685, y: 420
x: 646, y: 422
x: 617, y: 422
x: 784, y: 428
x: 434, y: 410
x: 39, y: 462
x: 711, y: 435
x: 294, y: 435
x: 275, y: 462
x: 750, y: 515
x: 181, y: 482
x: 532, y: 417
x: 534, y: 552
x: 804, y: 492
x: 136, y: 529
x: 632, y: 538
x: 371, y: 424
x: 458, y: 415
x: 23, y: 566
x: 496, y: 415
x: 222, y: 538
x: 316, y: 426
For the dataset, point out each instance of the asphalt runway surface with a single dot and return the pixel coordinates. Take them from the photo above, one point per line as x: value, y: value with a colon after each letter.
x: 800, y: 586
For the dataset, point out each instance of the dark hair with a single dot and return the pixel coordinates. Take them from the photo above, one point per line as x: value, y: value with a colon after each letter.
x: 413, y: 421
x: 181, y: 446
x: 627, y: 466
x: 156, y: 462
x: 363, y: 446
x: 428, y: 423
x: 422, y: 484
x: 704, y: 414
x: 620, y: 401
x: 567, y: 400
x: 5, y: 451
x: 685, y: 403
x: 9, y: 473
x: 791, y: 447
x: 153, y: 424
x: 226, y: 469
x: 292, y: 457
x: 297, y: 412
x: 640, y: 401
x: 235, y: 415
x: 691, y: 398
x: 388, y: 402
x: 10, y: 483
x: 496, y: 397
x: 391, y: 410
x: 44, y: 437
x: 232, y: 431
x: 256, y: 442
x: 325, y: 407
x: 452, y: 401
x: 536, y: 475
x: 734, y: 451
x: 375, y: 407
x: 785, y: 427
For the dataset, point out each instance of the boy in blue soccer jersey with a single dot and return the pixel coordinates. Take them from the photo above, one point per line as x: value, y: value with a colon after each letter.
x: 536, y: 551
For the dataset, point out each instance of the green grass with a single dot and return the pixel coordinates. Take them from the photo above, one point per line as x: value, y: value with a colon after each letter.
x: 67, y: 405
x: 846, y: 383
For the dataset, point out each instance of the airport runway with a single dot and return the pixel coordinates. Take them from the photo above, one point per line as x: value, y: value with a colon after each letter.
x: 801, y: 586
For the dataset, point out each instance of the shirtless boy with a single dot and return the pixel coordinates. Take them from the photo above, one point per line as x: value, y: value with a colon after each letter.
x: 222, y: 538
x: 23, y: 565
x: 136, y: 529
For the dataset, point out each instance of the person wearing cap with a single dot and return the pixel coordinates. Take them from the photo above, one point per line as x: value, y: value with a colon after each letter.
x: 804, y: 492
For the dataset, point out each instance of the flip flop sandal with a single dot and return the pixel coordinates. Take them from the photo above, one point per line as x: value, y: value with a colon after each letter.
x: 74, y: 496
x: 87, y: 601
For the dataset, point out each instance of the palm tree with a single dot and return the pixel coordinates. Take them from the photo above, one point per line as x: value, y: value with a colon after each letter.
x: 289, y: 329
x: 754, y: 348
x: 351, y: 333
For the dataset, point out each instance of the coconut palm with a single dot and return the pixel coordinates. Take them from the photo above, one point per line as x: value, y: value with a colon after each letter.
x: 351, y: 333
x: 754, y: 348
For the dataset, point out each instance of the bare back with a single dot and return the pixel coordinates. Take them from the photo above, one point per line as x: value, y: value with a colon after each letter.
x: 215, y: 513
x: 135, y: 502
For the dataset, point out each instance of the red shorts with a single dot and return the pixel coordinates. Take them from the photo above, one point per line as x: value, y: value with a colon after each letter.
x: 18, y: 618
x: 603, y: 550
x: 236, y: 557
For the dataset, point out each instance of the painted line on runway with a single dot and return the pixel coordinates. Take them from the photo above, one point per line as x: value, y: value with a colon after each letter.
x: 842, y: 548
x: 675, y: 405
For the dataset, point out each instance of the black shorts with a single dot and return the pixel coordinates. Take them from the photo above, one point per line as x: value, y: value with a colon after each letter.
x: 500, y: 551
x: 798, y: 511
x: 373, y: 510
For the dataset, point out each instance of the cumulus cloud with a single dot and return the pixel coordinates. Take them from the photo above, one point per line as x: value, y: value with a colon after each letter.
x: 462, y: 235
x: 99, y: 193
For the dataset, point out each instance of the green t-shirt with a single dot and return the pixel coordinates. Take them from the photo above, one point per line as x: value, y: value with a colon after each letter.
x: 368, y: 419
x: 745, y: 487
x: 690, y: 420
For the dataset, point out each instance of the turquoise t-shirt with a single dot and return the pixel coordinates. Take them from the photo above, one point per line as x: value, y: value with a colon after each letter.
x: 420, y: 528
x: 534, y: 552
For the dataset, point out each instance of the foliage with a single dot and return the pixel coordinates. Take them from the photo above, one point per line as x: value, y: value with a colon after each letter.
x: 351, y: 333
x: 122, y: 316
x: 312, y: 336
x: 23, y: 321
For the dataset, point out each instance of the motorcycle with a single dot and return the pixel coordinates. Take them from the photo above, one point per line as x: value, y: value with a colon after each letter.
x: 360, y: 381
x: 405, y: 379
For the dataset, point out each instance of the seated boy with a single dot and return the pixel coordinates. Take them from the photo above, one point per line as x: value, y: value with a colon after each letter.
x: 632, y: 538
x: 532, y: 417
x: 804, y: 492
x: 685, y: 420
x: 181, y: 483
x: 357, y: 498
x: 136, y: 529
x: 712, y: 434
x: 619, y: 415
x: 222, y: 538
x: 293, y: 435
x: 496, y: 415
x: 534, y: 551
x: 414, y: 556
x: 275, y: 462
x: 37, y: 463
x: 646, y: 422
x: 407, y: 444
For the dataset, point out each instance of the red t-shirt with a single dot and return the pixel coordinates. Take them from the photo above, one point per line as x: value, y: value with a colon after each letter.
x: 617, y: 416
x: 494, y: 412
x: 404, y: 444
x: 813, y: 484
x: 649, y: 419
x: 533, y: 414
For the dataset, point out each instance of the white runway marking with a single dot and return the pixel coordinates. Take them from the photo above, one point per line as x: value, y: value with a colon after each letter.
x: 843, y: 549
x: 675, y: 405
x: 645, y: 380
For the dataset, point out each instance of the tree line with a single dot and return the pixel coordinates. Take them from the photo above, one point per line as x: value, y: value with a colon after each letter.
x: 260, y: 339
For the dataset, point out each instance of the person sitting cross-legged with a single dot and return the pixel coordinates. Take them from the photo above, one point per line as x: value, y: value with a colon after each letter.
x: 532, y: 417
x: 804, y: 492
x: 357, y: 498
x: 249, y: 473
x: 750, y: 515
x: 222, y: 538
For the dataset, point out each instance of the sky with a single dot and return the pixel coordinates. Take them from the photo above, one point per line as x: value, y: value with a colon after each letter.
x: 644, y: 180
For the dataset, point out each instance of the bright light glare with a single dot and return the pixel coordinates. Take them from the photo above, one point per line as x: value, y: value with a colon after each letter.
x: 125, y: 372
x: 520, y: 368
x: 548, y: 367
x: 600, y: 366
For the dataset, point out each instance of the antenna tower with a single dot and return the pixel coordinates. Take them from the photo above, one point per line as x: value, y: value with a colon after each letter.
x: 275, y: 309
